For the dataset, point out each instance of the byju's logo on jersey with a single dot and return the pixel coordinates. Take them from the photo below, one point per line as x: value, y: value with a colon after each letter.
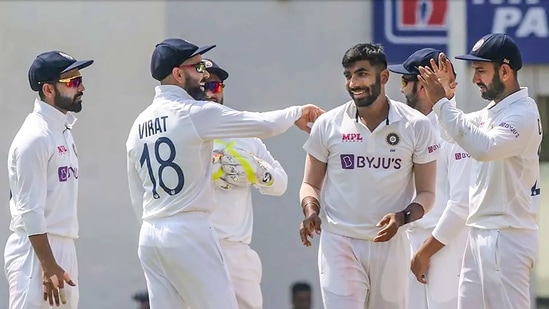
x: 461, y: 155
x: 351, y: 137
x: 65, y: 172
x: 350, y: 161
x: 413, y: 21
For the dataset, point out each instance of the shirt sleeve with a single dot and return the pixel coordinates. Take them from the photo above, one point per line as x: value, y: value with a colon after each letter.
x: 427, y: 147
x: 213, y: 120
x: 28, y: 182
x: 457, y: 208
x: 507, y: 138
x: 280, y: 183
x: 136, y: 188
x: 316, y: 145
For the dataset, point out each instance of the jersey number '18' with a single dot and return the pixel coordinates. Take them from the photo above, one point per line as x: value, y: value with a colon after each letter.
x: 146, y: 159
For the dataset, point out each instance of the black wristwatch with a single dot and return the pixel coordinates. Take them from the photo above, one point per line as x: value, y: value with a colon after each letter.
x: 406, y: 214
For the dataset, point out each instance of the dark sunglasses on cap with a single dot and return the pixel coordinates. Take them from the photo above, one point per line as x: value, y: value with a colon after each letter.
x: 214, y: 86
x: 200, y: 67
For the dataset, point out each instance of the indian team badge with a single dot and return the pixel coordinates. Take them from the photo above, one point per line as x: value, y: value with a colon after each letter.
x: 66, y: 55
x: 392, y: 139
x: 478, y: 44
x: 208, y: 63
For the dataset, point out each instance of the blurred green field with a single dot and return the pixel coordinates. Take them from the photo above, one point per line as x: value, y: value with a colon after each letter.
x: 542, y: 267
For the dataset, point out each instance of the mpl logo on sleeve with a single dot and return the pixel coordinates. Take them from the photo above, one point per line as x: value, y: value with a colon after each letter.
x: 404, y: 26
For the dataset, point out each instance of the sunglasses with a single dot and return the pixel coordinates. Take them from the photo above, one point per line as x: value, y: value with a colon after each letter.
x: 404, y: 80
x: 214, y: 86
x: 71, y: 82
x: 199, y: 67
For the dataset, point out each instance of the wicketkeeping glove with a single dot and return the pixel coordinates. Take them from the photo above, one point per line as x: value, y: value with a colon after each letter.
x: 238, y: 167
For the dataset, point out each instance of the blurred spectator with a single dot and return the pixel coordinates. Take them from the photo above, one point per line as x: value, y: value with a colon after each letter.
x: 143, y: 299
x: 301, y: 295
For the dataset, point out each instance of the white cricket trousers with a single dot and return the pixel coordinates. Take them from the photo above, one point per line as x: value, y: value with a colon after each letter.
x: 496, y: 269
x: 24, y: 272
x: 362, y: 274
x: 183, y: 263
x: 245, y: 270
x: 441, y: 290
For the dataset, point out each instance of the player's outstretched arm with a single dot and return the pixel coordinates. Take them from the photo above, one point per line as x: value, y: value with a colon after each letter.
x: 214, y: 121
x: 309, y: 195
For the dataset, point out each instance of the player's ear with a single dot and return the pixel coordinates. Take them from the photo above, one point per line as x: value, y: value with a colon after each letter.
x: 177, y: 74
x: 48, y: 90
x: 505, y: 72
x: 384, y: 76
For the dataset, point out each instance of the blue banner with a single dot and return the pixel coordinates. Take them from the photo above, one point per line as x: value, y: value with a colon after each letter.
x: 404, y: 26
x: 524, y: 20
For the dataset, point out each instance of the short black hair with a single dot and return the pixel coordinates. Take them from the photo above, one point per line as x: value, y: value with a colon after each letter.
x: 365, y: 51
x: 300, y: 287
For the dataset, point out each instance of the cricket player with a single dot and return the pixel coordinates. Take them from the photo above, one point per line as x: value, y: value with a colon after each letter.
x: 40, y: 257
x: 371, y: 164
x: 504, y: 139
x: 169, y: 152
x: 232, y: 217
x: 439, y: 288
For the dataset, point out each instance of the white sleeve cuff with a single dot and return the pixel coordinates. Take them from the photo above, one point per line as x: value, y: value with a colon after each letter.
x: 448, y: 227
x: 34, y: 222
x: 438, y: 105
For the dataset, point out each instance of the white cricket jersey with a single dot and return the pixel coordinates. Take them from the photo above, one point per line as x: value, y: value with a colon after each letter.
x: 504, y: 140
x: 369, y: 174
x: 43, y: 174
x: 232, y: 216
x: 452, y: 183
x: 169, y: 149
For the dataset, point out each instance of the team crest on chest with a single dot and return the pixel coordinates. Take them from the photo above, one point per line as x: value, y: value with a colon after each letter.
x: 392, y: 139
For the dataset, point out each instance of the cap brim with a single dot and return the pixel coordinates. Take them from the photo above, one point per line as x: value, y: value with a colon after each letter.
x: 399, y: 69
x: 470, y: 57
x: 78, y: 65
x: 222, y: 74
x: 202, y: 50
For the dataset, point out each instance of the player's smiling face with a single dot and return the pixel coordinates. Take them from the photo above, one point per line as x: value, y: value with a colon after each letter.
x: 363, y: 82
x: 486, y: 77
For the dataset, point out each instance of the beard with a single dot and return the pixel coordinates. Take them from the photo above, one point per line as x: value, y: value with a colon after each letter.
x: 69, y: 104
x: 372, y: 92
x: 193, y: 88
x: 411, y: 98
x: 495, y: 90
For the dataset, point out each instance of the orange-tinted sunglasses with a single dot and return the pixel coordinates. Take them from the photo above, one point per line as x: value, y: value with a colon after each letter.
x: 72, y: 82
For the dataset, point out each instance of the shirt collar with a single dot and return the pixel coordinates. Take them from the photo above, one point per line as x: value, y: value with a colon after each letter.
x: 392, y: 116
x: 171, y: 90
x: 53, y: 115
x: 513, y: 97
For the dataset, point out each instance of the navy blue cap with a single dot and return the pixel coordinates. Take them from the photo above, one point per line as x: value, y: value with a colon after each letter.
x: 170, y: 53
x: 48, y: 66
x: 419, y: 58
x: 496, y: 47
x: 213, y: 68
